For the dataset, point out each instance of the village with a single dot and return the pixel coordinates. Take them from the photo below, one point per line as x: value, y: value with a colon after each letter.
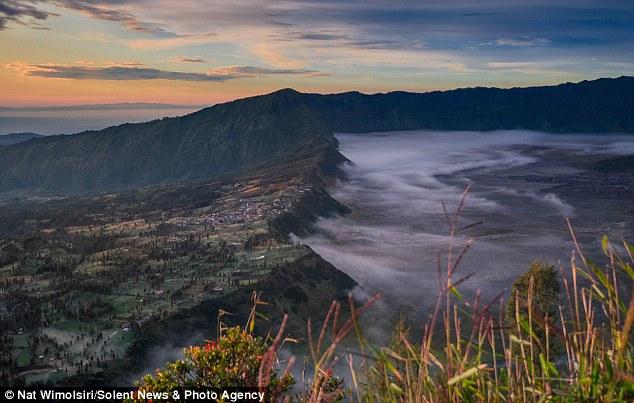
x: 76, y: 288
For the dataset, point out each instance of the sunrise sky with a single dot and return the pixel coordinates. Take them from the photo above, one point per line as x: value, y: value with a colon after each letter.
x: 63, y: 52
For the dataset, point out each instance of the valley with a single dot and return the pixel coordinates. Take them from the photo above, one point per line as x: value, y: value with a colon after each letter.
x: 317, y: 201
x: 523, y: 186
x: 119, y: 247
x: 81, y: 277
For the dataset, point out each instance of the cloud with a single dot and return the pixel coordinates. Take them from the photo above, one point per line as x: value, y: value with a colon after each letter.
x: 274, y: 55
x: 400, y: 226
x: 339, y: 39
x: 444, y: 43
x: 512, y: 65
x: 174, y: 41
x: 522, y: 42
x: 477, y: 14
x: 123, y: 72
x: 241, y: 71
x: 107, y: 10
x: 187, y: 59
x: 319, y: 36
x: 115, y: 64
x: 17, y: 10
x: 81, y: 72
x: 100, y: 11
x: 530, y: 68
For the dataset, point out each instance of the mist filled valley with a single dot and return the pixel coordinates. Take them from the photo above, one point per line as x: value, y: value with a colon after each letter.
x: 122, y: 248
x: 317, y: 201
x: 523, y: 186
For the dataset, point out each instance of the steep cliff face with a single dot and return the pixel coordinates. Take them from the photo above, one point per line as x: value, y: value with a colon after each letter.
x: 301, y: 219
x: 604, y: 105
x: 224, y: 139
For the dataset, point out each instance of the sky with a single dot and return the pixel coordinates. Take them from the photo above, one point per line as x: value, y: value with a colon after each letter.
x: 189, y: 52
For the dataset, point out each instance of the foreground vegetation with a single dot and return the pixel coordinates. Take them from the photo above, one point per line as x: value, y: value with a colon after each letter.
x: 541, y: 345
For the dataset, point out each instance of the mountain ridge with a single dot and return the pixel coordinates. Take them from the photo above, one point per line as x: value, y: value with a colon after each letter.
x: 15, y: 138
x: 226, y: 138
x: 267, y: 129
x: 602, y: 105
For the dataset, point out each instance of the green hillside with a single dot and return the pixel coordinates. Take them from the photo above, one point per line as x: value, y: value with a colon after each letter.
x: 223, y: 139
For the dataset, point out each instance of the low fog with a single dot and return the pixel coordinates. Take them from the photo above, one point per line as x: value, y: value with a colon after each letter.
x: 523, y: 186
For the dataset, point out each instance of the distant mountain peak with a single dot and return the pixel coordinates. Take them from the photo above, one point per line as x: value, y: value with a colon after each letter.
x: 285, y: 91
x: 285, y: 94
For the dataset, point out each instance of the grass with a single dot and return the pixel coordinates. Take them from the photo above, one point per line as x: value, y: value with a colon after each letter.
x: 24, y: 358
x: 473, y: 351
x: 72, y: 326
x: 482, y: 358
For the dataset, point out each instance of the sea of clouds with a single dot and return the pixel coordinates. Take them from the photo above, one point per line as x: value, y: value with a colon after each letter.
x: 397, y: 181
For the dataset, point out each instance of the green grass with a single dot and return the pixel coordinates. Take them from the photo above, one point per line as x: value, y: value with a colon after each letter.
x: 72, y: 326
x: 24, y: 358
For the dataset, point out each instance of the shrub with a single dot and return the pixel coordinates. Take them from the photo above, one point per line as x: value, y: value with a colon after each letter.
x: 535, y: 299
x: 544, y: 280
x: 238, y: 359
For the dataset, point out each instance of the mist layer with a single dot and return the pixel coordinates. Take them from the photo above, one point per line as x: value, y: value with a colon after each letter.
x: 523, y: 185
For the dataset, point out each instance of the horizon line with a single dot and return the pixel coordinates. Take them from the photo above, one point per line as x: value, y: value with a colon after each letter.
x: 163, y: 105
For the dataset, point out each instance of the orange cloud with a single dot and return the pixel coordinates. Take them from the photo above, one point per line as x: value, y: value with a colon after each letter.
x: 274, y: 56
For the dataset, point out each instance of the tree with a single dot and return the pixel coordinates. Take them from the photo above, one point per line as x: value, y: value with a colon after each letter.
x: 543, y: 296
x: 232, y: 362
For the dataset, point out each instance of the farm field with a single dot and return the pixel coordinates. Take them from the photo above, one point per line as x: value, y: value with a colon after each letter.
x: 79, y: 276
